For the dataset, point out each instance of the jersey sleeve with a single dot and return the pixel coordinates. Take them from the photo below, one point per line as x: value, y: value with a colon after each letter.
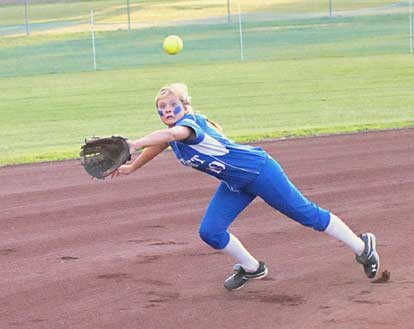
x: 198, y: 131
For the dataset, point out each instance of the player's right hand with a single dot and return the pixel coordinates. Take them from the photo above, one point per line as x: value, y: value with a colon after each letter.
x: 123, y: 170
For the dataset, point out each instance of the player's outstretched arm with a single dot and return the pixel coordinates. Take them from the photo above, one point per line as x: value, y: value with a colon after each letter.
x: 161, y: 137
x: 147, y: 155
x: 153, y: 144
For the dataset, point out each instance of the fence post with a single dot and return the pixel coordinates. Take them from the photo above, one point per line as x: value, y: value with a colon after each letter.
x: 241, y: 36
x: 411, y: 28
x: 330, y: 8
x: 93, y: 41
x: 228, y: 11
x: 26, y: 16
x: 129, y: 15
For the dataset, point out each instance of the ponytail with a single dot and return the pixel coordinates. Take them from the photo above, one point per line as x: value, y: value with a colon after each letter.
x: 214, y: 124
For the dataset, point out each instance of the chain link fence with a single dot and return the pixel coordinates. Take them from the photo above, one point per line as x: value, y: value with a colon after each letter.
x: 44, y: 36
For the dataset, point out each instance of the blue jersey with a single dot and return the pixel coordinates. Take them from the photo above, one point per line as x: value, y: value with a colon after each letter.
x: 211, y: 152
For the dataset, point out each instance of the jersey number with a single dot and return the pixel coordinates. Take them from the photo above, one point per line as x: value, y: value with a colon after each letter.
x: 216, y: 167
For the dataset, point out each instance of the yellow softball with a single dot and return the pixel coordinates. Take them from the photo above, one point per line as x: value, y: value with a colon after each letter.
x: 172, y: 44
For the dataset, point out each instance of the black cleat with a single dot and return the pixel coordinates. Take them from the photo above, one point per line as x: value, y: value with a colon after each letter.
x: 241, y: 276
x: 369, y: 258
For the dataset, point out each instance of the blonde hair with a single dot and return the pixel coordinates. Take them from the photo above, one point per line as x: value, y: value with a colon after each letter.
x: 177, y: 89
x: 181, y: 91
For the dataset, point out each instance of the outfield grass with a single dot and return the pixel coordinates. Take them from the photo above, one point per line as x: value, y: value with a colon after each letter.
x: 47, y: 117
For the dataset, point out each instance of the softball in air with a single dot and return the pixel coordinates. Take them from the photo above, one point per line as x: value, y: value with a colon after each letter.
x: 172, y: 45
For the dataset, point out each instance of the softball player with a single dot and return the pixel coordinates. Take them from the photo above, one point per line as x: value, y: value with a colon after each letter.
x: 245, y: 172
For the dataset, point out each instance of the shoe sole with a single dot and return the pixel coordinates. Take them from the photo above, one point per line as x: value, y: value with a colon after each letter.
x: 261, y: 276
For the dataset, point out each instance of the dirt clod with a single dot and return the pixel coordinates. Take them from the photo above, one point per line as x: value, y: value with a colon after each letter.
x: 385, y: 277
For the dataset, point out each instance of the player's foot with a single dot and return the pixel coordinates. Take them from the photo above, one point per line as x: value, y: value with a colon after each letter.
x: 369, y: 258
x: 241, y: 276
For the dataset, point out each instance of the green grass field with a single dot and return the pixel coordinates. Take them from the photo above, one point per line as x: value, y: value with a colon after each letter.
x: 47, y: 117
x: 300, y: 77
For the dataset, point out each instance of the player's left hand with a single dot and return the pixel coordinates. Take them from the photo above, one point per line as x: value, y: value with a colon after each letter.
x: 102, y: 156
x: 131, y: 147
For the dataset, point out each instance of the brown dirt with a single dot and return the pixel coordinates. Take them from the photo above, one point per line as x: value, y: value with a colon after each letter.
x: 77, y: 253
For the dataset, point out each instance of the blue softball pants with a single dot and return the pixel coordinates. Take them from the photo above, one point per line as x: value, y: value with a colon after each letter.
x: 275, y: 188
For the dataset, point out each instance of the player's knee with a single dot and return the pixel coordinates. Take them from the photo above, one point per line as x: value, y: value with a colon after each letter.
x: 318, y: 220
x: 214, y: 239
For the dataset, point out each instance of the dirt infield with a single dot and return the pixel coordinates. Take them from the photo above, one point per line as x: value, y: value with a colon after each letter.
x: 77, y: 253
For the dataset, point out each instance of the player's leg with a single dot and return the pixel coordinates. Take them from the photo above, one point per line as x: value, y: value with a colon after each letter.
x: 221, y: 212
x: 275, y: 188
x: 366, y: 253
